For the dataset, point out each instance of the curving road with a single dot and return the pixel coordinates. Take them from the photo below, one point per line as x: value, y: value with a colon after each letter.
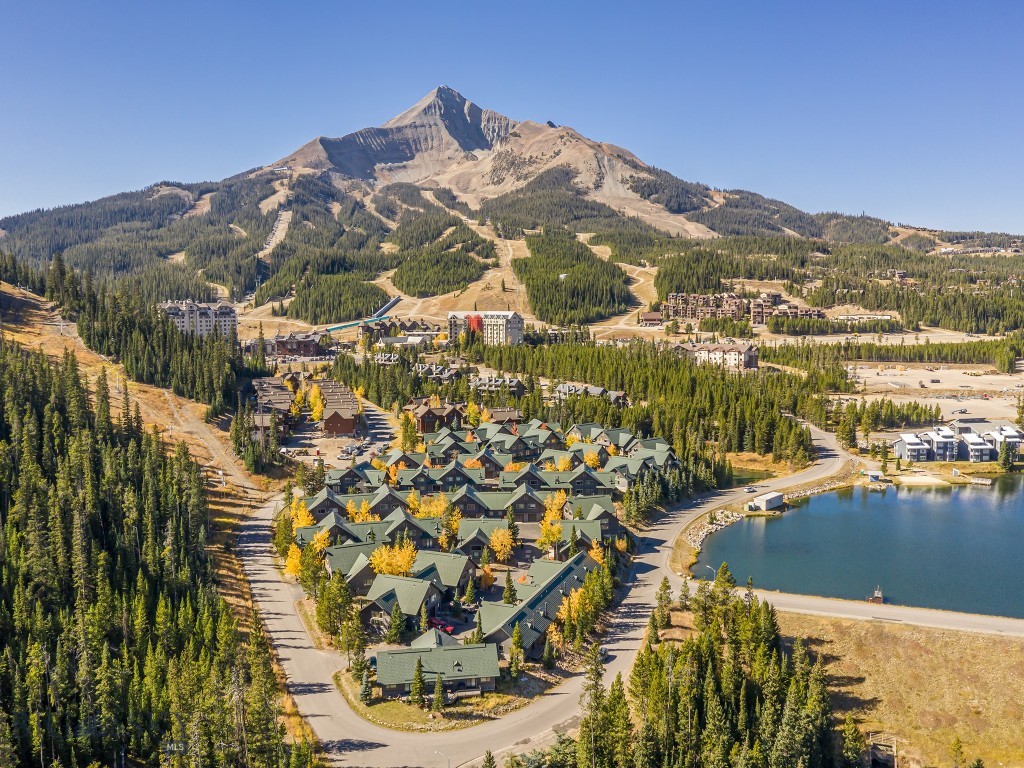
x: 350, y: 740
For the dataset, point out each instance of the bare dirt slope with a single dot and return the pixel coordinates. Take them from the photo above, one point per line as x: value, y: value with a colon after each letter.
x: 200, y: 207
x: 277, y: 199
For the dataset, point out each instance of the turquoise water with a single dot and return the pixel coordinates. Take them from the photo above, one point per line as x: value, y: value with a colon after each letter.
x: 957, y: 548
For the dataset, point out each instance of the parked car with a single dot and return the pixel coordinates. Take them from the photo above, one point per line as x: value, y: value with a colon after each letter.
x: 439, y: 624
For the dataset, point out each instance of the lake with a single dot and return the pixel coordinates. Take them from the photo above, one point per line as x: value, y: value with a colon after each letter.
x: 957, y: 548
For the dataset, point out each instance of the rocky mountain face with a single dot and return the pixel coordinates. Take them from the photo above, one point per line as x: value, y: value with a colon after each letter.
x: 446, y: 140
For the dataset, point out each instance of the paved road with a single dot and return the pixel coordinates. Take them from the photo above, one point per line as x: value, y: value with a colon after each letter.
x: 350, y: 740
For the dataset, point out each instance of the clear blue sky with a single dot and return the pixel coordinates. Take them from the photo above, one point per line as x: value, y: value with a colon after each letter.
x: 911, y: 110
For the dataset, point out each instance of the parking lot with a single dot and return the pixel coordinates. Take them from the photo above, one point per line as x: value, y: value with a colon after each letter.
x: 307, y: 443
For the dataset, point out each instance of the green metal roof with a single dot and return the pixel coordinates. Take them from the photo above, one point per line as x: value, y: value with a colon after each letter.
x: 448, y: 566
x: 452, y: 662
x: 410, y: 593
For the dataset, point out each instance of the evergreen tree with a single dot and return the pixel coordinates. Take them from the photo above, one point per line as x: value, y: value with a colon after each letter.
x: 515, y: 653
x: 853, y: 744
x: 395, y: 625
x: 365, y: 690
x: 509, y: 596
x: 437, y: 705
x: 592, y: 743
x: 513, y: 526
x: 418, y: 684
x: 548, y: 659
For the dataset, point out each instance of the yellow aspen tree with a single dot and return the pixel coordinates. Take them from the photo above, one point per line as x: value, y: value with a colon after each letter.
x: 501, y: 544
x: 292, y: 564
x: 321, y: 541
x: 301, y: 517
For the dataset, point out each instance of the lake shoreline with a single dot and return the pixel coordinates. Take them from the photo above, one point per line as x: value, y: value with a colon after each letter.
x: 839, y: 538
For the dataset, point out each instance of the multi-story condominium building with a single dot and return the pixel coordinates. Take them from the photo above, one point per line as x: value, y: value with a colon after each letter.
x: 201, y: 319
x: 741, y: 356
x: 494, y: 327
x: 698, y: 306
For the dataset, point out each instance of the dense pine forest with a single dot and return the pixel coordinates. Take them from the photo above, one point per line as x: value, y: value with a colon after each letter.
x: 1001, y: 354
x: 331, y: 233
x: 691, y: 406
x: 336, y: 299
x: 815, y: 326
x: 430, y: 273
x: 133, y: 234
x: 116, y: 643
x: 567, y: 284
x: 116, y: 322
x: 439, y: 253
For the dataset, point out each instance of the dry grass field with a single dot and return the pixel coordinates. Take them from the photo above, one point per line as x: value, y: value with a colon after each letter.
x: 926, y: 686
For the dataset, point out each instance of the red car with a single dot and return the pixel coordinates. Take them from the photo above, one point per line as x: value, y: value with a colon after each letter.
x: 438, y: 624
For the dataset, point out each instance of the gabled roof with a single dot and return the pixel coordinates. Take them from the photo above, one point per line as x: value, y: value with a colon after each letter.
x: 482, y: 526
x: 629, y: 466
x: 409, y: 592
x: 343, y: 557
x: 586, y: 530
x: 433, y: 638
x: 445, y: 568
x: 547, y: 584
x: 452, y: 662
x: 589, y: 430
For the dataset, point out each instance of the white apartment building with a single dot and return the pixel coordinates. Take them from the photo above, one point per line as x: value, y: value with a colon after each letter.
x: 741, y: 356
x: 494, y: 327
x: 201, y: 319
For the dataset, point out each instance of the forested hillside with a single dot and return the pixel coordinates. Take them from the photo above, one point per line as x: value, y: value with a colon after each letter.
x: 551, y: 199
x: 118, y: 323
x: 439, y: 253
x: 115, y: 641
x: 134, y: 233
x: 747, y: 213
x: 331, y: 233
x: 567, y: 284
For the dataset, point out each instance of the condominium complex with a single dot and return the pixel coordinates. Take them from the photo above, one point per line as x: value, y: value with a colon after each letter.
x: 495, y: 328
x: 201, y: 319
x: 699, y: 306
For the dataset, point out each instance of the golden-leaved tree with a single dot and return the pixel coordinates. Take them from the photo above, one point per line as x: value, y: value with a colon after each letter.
x: 293, y: 564
x: 551, y: 525
x: 393, y: 559
x: 301, y: 517
x: 501, y: 544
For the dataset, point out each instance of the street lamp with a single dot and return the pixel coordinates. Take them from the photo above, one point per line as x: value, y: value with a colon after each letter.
x: 713, y: 571
x: 442, y: 754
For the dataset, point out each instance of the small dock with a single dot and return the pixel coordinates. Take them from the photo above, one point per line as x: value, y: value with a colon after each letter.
x: 981, y: 481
